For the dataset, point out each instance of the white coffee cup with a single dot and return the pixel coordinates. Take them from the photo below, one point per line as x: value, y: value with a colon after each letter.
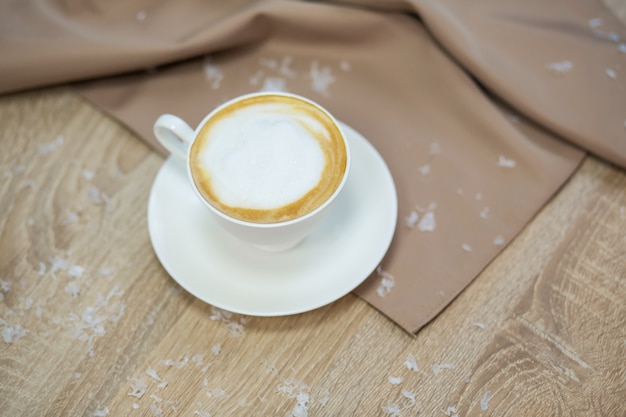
x: 268, y: 166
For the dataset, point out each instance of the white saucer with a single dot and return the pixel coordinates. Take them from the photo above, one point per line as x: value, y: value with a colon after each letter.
x: 235, y: 276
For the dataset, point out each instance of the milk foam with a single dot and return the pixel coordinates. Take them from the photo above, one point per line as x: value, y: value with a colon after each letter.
x: 263, y: 156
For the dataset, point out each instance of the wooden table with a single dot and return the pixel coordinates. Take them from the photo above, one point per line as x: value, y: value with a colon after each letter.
x: 93, y: 325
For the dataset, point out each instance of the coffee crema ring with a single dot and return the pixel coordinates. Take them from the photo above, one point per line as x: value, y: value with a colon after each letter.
x: 302, y: 154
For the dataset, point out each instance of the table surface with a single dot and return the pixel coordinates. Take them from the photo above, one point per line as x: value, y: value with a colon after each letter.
x: 93, y: 325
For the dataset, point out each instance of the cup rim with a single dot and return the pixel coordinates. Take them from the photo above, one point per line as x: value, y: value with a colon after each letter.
x: 302, y: 218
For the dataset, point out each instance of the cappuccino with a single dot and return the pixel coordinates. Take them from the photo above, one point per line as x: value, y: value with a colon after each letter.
x: 269, y: 158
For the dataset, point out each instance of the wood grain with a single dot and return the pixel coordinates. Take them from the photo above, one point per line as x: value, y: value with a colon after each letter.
x: 542, y: 331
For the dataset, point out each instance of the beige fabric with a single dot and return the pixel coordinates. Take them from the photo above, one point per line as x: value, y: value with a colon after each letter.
x: 418, y: 79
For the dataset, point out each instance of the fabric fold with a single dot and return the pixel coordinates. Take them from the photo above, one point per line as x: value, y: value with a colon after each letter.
x: 565, y: 54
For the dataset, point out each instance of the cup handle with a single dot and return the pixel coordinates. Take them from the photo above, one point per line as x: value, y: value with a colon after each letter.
x: 174, y: 134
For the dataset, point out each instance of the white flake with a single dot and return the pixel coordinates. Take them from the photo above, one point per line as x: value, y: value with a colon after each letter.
x: 201, y: 413
x: 11, y: 334
x: 505, y: 163
x: 412, y: 219
x: 255, y: 78
x: 274, y: 84
x: 73, y: 289
x: 141, y: 16
x: 101, y: 412
x: 560, y: 67
x: 108, y: 201
x: 292, y: 387
x: 58, y: 264
x: 98, y: 197
x: 29, y: 184
x: 395, y: 380
x: 152, y: 373
x: 135, y: 406
x: 409, y: 396
x: 176, y: 364
x: 480, y: 325
x: 484, y: 213
x: 5, y: 286
x: 244, y: 403
x: 88, y: 175
x: 611, y: 73
x: 498, y: 241
x: 428, y: 223
x: 216, y: 349
x: 51, y: 147
x: 198, y: 359
x: 71, y: 218
x: 324, y: 400
x: 212, y: 72
x: 298, y: 390
x: 450, y: 411
x: 435, y: 148
x: 156, y: 410
x: 411, y: 363
x: 391, y: 409
x: 321, y: 78
x: 91, y: 322
x: 277, y: 81
x: 466, y: 247
x: 622, y: 48
x: 345, y: 65
x: 269, y: 63
x: 235, y: 329
x: 610, y: 36
x: 301, y: 408
x: 595, y: 22
x: 484, y: 402
x: 106, y: 272
x: 438, y: 367
x: 270, y: 367
x: 217, y: 393
x: 387, y: 282
x: 217, y: 314
x: 478, y: 196
x: 77, y: 375
x: 75, y: 271
x: 425, y: 169
x: 285, y: 67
